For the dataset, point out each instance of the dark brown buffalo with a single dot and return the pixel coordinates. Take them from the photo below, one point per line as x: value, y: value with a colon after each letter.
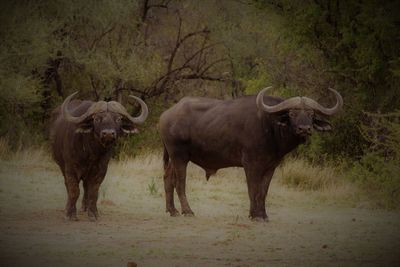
x: 82, y: 134
x: 253, y: 132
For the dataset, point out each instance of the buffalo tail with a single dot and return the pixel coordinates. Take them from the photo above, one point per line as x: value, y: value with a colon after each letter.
x: 165, y: 158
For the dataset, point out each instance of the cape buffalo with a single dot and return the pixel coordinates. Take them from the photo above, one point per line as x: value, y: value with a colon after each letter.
x: 82, y: 134
x: 253, y: 132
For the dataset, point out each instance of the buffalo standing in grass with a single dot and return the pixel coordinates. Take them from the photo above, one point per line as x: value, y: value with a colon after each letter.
x: 253, y: 132
x: 83, y: 133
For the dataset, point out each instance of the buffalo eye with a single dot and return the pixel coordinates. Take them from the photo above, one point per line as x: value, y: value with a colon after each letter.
x: 119, y: 119
x: 97, y: 119
x: 292, y: 114
x: 310, y: 113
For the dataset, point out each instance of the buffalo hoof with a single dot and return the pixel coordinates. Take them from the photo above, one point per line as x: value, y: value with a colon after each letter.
x: 71, y: 218
x: 174, y: 213
x: 259, y: 219
x: 93, y: 216
x: 188, y: 213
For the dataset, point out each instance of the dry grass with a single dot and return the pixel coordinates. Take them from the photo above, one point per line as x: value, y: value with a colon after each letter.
x: 328, y: 181
x: 4, y: 148
x: 300, y: 174
x: 128, y: 179
x: 133, y: 225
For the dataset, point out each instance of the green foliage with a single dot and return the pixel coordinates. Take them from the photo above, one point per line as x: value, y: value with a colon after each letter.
x: 354, y: 43
x: 378, y: 171
x: 379, y: 178
x: 254, y: 85
x: 152, y: 188
x: 105, y: 49
x: 148, y: 138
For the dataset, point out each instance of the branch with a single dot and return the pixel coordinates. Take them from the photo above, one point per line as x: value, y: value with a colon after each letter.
x: 180, y: 41
x: 195, y: 76
x: 165, y: 78
x: 147, y: 7
x: 92, y: 82
x: 98, y: 39
x: 177, y: 44
x: 213, y: 64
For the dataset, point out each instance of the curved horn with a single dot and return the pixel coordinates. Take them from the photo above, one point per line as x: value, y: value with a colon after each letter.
x: 286, y: 104
x: 118, y: 108
x: 326, y: 111
x: 95, y: 107
x: 65, y: 112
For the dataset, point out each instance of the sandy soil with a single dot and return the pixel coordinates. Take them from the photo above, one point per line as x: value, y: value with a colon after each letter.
x: 305, y: 228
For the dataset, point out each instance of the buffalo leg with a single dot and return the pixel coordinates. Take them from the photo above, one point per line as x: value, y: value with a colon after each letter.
x: 93, y: 194
x: 85, y: 196
x: 72, y: 185
x: 169, y: 184
x: 180, y: 176
x: 258, y: 183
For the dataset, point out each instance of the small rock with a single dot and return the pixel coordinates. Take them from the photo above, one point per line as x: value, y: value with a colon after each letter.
x: 132, y: 264
x: 324, y: 246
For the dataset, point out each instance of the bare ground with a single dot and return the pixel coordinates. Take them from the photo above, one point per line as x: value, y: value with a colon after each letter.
x: 305, y: 228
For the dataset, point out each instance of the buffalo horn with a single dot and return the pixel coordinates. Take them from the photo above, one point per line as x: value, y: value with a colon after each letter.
x: 118, y: 108
x: 299, y: 102
x: 284, y: 105
x: 326, y: 111
x: 97, y: 107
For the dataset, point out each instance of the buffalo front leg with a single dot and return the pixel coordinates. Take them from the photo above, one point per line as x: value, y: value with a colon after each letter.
x: 93, y: 194
x: 258, y: 183
x: 72, y: 185
x: 85, y: 196
x: 180, y: 178
x: 169, y: 184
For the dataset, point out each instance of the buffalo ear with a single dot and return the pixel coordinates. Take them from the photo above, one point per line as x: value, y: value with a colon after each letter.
x: 130, y: 131
x: 282, y: 119
x: 128, y: 127
x: 85, y: 127
x: 322, y: 125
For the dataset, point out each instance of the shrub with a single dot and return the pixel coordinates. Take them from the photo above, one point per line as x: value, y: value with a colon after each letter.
x: 380, y: 178
x: 302, y: 175
x: 378, y: 171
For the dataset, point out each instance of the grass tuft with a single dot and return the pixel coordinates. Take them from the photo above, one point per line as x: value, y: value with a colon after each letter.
x: 4, y: 148
x: 302, y: 175
x: 152, y: 188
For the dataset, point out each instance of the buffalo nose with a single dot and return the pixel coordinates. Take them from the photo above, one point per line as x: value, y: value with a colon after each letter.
x: 108, y: 134
x: 304, y: 129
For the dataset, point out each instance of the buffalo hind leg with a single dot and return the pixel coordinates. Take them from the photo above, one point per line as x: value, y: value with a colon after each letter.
x: 180, y: 178
x: 258, y: 183
x: 72, y: 185
x: 169, y: 184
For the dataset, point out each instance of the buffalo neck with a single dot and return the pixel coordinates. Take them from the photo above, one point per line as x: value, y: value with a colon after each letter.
x: 91, y: 146
x: 283, y: 139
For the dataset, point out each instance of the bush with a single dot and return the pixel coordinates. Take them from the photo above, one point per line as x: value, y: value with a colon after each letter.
x: 378, y: 171
x: 380, y: 178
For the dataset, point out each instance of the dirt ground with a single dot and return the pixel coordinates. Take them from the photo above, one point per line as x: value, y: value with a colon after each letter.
x: 305, y: 228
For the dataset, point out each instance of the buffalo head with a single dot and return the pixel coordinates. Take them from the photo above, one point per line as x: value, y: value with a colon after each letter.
x: 302, y: 114
x: 106, y: 120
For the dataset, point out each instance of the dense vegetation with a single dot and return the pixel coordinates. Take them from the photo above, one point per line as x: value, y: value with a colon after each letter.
x: 161, y: 50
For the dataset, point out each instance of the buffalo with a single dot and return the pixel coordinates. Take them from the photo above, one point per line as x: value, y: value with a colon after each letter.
x: 254, y: 132
x: 82, y: 135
